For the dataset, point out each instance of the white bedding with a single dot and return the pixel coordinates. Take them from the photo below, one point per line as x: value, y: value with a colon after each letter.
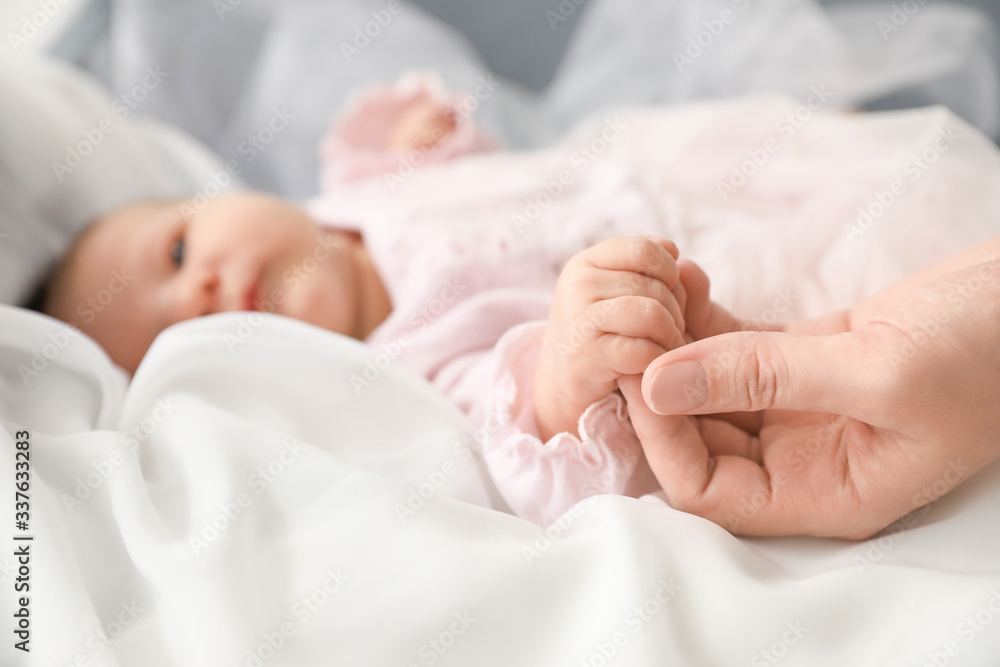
x: 395, y: 582
x: 325, y: 551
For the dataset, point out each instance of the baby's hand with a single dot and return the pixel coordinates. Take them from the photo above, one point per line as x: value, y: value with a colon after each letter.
x: 422, y: 125
x: 617, y: 306
x: 703, y: 318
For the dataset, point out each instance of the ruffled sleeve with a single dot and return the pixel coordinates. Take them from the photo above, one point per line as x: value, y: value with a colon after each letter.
x: 355, y: 149
x: 542, y: 480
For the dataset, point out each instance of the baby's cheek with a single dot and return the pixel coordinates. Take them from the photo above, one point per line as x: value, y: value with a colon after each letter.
x: 319, y: 301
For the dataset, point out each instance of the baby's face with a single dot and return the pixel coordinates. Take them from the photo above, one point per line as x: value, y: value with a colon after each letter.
x: 145, y: 267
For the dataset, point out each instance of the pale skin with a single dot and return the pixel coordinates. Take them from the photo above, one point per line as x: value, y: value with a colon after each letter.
x: 617, y: 306
x: 423, y: 125
x: 247, y: 251
x: 837, y: 426
x: 819, y: 429
x: 243, y: 251
x: 833, y: 427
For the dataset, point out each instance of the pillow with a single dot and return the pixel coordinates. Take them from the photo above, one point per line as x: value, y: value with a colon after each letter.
x: 68, y: 152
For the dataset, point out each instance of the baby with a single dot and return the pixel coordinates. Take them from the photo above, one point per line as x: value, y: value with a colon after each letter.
x: 529, y: 339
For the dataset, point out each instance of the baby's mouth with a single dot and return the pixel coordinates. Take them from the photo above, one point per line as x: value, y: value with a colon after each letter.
x: 251, y: 298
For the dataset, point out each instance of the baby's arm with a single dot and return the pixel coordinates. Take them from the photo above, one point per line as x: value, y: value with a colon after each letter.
x: 422, y: 125
x: 542, y: 479
x: 617, y: 306
x: 383, y: 128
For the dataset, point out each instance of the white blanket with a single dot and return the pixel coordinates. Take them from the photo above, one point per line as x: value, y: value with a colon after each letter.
x: 250, y: 516
x: 239, y: 504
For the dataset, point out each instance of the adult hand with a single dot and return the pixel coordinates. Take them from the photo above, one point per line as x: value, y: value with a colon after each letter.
x: 841, y: 425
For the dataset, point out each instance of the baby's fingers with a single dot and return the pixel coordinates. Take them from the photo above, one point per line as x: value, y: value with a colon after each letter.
x: 623, y: 355
x: 703, y: 318
x: 637, y: 317
x: 638, y: 254
x: 607, y: 285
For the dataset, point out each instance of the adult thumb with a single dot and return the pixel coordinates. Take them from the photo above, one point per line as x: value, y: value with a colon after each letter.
x: 749, y: 371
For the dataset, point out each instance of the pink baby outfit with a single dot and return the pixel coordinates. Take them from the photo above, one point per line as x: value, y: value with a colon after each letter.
x: 470, y: 252
x: 785, y: 236
x: 354, y: 149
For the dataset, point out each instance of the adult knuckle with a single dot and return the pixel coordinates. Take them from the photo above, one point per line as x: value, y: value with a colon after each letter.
x: 890, y: 383
x: 756, y: 377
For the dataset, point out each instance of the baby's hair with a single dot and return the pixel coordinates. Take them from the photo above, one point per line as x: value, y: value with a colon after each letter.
x: 38, y: 297
x: 40, y: 300
x: 54, y: 280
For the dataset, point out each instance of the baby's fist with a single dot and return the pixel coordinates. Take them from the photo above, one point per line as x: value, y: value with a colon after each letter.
x: 422, y: 125
x: 617, y: 306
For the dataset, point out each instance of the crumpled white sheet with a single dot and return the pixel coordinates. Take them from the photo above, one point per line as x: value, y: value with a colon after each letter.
x: 320, y: 561
x: 240, y: 504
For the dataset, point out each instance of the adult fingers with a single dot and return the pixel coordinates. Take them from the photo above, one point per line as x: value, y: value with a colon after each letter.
x: 722, y: 438
x: 682, y: 464
x: 734, y: 491
x: 691, y: 434
x: 741, y: 372
x: 692, y: 478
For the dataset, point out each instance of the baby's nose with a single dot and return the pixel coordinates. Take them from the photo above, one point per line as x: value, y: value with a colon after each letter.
x: 199, y: 294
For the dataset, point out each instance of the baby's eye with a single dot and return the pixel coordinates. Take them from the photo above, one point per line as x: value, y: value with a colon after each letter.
x: 177, y: 252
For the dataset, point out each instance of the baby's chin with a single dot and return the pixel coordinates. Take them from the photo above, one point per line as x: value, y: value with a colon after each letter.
x: 123, y: 341
x: 127, y: 359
